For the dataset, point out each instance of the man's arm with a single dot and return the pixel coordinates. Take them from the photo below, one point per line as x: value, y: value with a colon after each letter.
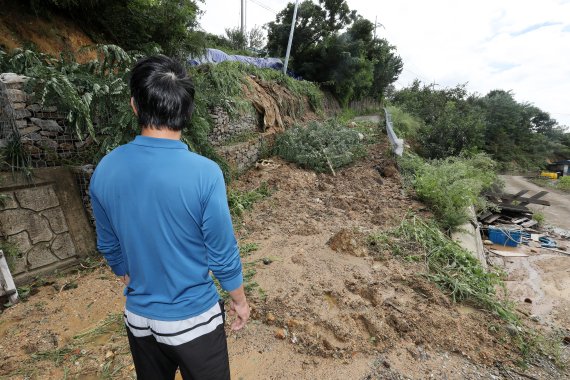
x: 223, y: 253
x: 107, y: 241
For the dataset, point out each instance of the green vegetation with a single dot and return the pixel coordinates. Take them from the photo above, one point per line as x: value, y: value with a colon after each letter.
x: 240, y: 201
x: 336, y: 47
x: 320, y: 146
x: 11, y: 253
x: 539, y: 217
x: 563, y: 183
x: 405, y: 125
x: 454, y: 269
x: 453, y: 122
x: 99, y: 91
x: 449, y: 186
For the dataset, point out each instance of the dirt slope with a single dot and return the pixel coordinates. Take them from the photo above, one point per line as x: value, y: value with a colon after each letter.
x: 327, y: 306
x: 52, y: 34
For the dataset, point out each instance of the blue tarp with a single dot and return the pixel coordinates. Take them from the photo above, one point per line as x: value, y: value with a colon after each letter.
x: 217, y: 56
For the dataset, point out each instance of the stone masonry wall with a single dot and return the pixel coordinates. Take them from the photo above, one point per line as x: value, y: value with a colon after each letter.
x: 225, y: 129
x: 43, y: 130
x: 44, y: 220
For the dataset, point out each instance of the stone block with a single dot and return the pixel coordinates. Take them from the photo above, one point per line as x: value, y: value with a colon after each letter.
x: 21, y: 241
x: 16, y: 96
x: 32, y: 149
x: 66, y: 146
x: 34, y: 107
x: 56, y: 220
x: 37, y: 198
x: 47, y: 125
x: 18, y: 220
x: 62, y: 246
x: 48, y: 144
x: 18, y: 106
x: 21, y: 124
x: 32, y: 137
x: 12, y: 78
x: 8, y: 201
x: 48, y: 134
x: 22, y: 114
x: 40, y: 255
x: 29, y: 130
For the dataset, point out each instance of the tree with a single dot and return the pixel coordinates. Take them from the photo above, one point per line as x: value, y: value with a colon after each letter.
x: 351, y: 64
x: 256, y: 38
x: 237, y: 39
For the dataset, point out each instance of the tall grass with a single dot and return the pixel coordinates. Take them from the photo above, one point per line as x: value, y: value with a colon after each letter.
x: 449, y: 186
x: 450, y: 266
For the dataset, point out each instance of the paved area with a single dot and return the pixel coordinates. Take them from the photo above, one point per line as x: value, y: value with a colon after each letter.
x: 557, y: 214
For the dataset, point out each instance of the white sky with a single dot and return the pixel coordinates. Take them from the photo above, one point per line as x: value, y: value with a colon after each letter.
x: 523, y: 45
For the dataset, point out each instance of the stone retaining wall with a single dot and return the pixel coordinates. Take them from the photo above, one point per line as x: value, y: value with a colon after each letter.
x: 225, y: 129
x: 45, y: 220
x: 43, y: 130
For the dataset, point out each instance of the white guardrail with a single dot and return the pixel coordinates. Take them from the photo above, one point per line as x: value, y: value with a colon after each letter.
x: 397, y: 143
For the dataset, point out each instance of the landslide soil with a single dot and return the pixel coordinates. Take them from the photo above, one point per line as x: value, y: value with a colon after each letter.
x: 327, y: 305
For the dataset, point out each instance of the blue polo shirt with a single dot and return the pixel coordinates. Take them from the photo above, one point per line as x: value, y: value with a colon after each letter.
x: 162, y: 217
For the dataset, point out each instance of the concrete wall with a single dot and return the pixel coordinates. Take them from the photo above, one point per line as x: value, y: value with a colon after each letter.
x: 44, y: 217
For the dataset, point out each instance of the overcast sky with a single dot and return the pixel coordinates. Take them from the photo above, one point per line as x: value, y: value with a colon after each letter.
x: 523, y: 45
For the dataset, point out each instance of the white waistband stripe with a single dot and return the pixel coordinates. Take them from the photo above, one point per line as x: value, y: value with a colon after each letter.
x: 175, y: 333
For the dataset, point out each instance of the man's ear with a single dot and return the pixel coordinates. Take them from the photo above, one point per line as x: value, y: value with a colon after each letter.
x: 134, y: 107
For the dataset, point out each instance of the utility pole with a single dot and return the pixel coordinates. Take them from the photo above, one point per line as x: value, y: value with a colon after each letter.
x: 375, y: 26
x: 243, y: 17
x: 291, y: 37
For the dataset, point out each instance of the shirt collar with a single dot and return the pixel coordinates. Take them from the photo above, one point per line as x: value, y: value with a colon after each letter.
x: 155, y: 142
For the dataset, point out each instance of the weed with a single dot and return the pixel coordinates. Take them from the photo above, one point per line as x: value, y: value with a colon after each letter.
x: 240, y: 201
x: 451, y: 267
x: 563, y: 183
x: 451, y: 185
x: 247, y: 248
x: 11, y: 253
x: 112, y: 324
x: 320, y: 147
x: 539, y: 217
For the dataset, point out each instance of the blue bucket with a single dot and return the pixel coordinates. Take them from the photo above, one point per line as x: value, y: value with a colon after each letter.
x: 505, y: 236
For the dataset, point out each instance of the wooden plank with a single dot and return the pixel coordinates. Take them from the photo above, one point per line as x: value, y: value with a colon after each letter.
x: 508, y: 253
x: 529, y: 224
x: 7, y: 285
x: 492, y: 218
x: 520, y: 220
x: 510, y: 207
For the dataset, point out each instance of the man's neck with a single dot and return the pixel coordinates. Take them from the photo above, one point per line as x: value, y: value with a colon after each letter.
x: 164, y: 133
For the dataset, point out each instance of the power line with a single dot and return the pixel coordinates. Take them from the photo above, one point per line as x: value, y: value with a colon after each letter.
x: 264, y: 6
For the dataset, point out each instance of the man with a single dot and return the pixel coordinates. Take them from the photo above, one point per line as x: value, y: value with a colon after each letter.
x: 163, y: 224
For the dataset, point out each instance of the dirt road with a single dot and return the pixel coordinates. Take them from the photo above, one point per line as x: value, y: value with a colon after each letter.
x: 543, y: 277
x: 557, y: 214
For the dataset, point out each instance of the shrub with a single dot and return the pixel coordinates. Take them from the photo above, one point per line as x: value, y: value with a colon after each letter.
x: 320, y: 146
x: 449, y: 186
x: 564, y: 183
x: 405, y: 125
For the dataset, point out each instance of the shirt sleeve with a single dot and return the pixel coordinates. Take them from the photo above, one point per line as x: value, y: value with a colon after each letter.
x: 223, y: 252
x: 107, y: 242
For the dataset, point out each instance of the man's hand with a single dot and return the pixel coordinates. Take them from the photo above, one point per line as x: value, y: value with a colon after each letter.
x: 126, y: 279
x: 239, y: 307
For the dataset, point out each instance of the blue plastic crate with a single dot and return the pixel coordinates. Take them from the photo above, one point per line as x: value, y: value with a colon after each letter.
x: 505, y: 236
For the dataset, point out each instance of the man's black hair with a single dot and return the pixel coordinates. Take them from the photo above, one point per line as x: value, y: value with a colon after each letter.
x: 163, y: 93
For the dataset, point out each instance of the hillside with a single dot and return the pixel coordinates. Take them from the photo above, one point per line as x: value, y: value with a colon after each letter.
x: 49, y: 33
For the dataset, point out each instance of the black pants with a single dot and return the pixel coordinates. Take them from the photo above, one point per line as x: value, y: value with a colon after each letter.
x: 205, y: 357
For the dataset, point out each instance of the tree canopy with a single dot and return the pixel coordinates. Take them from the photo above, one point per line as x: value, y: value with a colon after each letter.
x: 334, y: 46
